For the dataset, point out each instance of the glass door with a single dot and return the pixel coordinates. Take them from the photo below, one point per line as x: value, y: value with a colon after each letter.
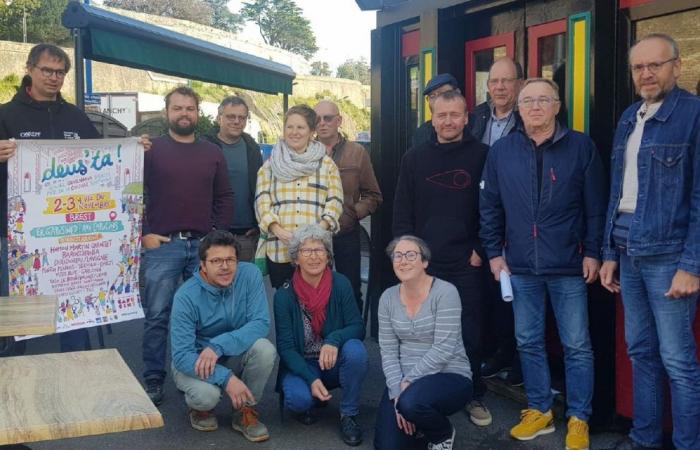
x: 479, y: 54
x: 547, y: 46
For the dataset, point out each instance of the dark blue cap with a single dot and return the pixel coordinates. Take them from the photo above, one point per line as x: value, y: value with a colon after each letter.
x: 440, y: 80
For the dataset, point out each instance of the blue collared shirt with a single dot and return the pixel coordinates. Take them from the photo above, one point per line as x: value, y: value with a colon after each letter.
x: 497, y: 128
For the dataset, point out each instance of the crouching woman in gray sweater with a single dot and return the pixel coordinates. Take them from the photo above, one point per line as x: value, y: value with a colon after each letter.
x: 423, y: 357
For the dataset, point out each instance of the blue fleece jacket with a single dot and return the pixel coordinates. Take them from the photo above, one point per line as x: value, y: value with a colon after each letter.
x: 228, y: 320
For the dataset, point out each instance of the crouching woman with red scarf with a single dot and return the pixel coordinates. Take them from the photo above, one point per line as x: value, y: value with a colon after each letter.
x: 319, y: 334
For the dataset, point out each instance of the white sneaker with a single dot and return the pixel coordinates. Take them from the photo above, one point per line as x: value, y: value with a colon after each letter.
x: 447, y: 444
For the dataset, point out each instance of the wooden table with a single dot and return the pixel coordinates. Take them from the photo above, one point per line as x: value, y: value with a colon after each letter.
x: 28, y: 315
x: 62, y: 395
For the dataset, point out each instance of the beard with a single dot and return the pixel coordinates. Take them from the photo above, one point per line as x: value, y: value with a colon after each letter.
x: 176, y: 128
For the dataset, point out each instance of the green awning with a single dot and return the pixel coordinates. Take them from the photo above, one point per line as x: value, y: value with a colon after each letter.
x: 119, y: 40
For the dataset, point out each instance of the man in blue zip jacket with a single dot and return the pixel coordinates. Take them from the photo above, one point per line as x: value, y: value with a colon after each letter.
x: 652, y: 235
x: 542, y: 208
x: 218, y: 329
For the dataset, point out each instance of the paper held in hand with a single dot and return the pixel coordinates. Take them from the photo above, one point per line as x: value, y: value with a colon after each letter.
x: 506, y: 288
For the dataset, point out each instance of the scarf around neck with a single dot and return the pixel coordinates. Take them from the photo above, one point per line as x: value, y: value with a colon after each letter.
x: 314, y: 299
x: 288, y: 165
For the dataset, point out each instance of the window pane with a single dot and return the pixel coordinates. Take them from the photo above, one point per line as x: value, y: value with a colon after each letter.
x: 683, y: 27
x: 482, y: 64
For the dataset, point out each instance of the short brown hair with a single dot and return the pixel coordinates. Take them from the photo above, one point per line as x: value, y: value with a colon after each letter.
x: 452, y: 96
x: 51, y: 50
x: 184, y: 91
x: 304, y: 111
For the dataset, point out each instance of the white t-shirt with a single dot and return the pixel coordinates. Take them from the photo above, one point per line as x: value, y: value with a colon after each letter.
x: 630, y: 181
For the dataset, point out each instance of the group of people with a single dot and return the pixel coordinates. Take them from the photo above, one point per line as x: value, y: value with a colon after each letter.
x: 505, y: 189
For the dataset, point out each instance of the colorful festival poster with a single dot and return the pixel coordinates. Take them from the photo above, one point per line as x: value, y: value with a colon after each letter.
x: 74, y: 227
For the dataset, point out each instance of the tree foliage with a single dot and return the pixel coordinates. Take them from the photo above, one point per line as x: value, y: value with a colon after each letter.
x: 353, y: 69
x: 193, y: 10
x: 282, y: 25
x: 320, y: 69
x: 43, y: 21
x: 222, y: 17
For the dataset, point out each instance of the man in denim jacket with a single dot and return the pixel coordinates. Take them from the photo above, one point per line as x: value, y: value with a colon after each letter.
x: 652, y: 235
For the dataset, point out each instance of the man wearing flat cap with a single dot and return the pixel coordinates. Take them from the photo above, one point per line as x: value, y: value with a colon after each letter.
x: 437, y: 85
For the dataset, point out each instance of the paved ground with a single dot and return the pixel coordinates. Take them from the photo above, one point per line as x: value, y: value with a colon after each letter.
x: 289, y: 435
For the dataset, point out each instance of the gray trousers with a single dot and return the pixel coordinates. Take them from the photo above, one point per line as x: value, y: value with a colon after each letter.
x: 253, y: 368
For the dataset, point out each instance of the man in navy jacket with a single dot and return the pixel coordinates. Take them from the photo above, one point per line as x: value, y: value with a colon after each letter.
x: 542, y: 207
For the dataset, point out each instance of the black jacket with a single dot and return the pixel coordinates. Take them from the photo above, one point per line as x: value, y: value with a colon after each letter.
x: 479, y: 120
x: 25, y: 118
x: 437, y: 199
x: 254, y: 157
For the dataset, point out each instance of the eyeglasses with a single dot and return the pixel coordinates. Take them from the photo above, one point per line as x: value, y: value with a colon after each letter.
x: 235, y: 118
x: 219, y: 262
x: 653, y: 67
x: 437, y: 93
x: 48, y: 72
x: 329, y: 117
x: 410, y: 256
x: 497, y: 81
x: 317, y: 252
x: 529, y: 102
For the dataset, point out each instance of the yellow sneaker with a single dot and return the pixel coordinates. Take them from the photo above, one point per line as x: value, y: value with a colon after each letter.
x: 533, y: 423
x: 577, y: 436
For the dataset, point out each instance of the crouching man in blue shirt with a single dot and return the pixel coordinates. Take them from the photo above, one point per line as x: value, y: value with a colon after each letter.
x: 218, y: 330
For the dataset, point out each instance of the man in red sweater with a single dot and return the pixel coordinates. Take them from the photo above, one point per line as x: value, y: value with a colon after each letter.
x: 187, y: 195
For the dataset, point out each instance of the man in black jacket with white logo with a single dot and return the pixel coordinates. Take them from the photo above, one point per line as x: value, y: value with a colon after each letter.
x: 38, y: 111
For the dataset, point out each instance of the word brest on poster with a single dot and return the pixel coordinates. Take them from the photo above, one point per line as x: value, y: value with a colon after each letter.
x: 74, y: 224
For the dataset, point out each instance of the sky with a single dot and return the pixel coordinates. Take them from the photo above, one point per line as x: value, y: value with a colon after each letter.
x: 342, y: 29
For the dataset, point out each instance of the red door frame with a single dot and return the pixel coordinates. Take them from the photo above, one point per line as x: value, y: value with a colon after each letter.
x: 534, y: 34
x: 631, y: 3
x: 506, y: 40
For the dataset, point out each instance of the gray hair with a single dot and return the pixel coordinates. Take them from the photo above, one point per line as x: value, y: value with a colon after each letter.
x: 420, y: 243
x: 312, y: 231
x: 547, y: 81
x: 232, y: 100
x: 675, y: 50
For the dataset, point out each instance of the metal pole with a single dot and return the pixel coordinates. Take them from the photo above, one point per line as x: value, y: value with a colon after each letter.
x: 285, y: 103
x: 24, y: 23
x: 88, y: 71
x: 79, y: 75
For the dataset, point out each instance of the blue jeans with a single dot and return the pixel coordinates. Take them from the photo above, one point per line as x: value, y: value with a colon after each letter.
x: 348, y: 373
x: 569, y: 299
x: 426, y: 403
x: 163, y: 267
x: 659, y: 335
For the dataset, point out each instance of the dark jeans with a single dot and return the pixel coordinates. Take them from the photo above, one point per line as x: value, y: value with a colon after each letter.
x: 163, y: 268
x: 346, y: 254
x: 279, y: 273
x: 472, y: 292
x: 348, y: 373
x: 500, y: 326
x: 426, y: 403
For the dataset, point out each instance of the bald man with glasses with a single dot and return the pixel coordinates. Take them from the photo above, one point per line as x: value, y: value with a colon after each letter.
x: 361, y: 194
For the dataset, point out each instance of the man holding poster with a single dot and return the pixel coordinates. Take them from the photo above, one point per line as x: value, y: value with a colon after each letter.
x: 38, y: 111
x: 187, y: 194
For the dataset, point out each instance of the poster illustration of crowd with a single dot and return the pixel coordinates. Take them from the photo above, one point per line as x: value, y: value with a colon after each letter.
x: 74, y: 227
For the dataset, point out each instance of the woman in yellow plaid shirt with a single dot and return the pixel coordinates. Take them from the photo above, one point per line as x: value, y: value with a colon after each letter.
x: 298, y: 185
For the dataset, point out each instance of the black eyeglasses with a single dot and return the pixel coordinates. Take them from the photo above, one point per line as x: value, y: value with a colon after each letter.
x: 410, y: 256
x: 219, y: 262
x: 48, y: 72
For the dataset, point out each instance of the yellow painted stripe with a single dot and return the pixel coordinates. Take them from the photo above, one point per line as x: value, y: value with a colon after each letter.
x: 579, y: 76
x: 428, y: 75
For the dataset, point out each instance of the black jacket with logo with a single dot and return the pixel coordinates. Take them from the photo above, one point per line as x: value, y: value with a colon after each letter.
x: 25, y: 118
